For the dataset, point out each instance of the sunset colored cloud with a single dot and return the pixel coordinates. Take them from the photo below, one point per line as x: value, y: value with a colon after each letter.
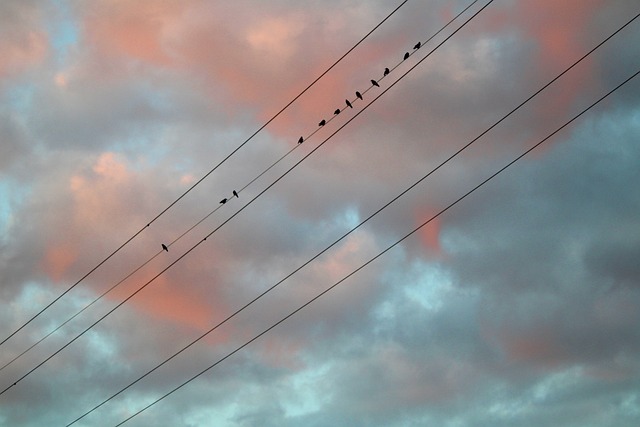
x: 517, y: 306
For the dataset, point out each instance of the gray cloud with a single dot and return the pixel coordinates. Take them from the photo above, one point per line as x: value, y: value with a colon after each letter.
x: 517, y: 307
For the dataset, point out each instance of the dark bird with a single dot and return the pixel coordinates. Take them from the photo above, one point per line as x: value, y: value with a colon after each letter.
x: 359, y: 95
x: 418, y: 45
x: 386, y: 71
x: 337, y: 111
x: 322, y: 123
x: 301, y: 140
x: 406, y: 55
x: 235, y: 193
x: 165, y: 247
x: 223, y: 201
x: 348, y: 103
x: 375, y: 83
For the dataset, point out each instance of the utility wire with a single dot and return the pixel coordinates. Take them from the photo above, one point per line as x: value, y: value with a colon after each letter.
x: 351, y: 230
x: 245, y: 206
x: 103, y: 294
x: 304, y: 139
x: 99, y: 297
x: 407, y: 55
x: 379, y: 254
x: 201, y: 179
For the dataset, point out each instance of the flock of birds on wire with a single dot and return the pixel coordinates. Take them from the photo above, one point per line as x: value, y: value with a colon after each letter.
x: 324, y: 122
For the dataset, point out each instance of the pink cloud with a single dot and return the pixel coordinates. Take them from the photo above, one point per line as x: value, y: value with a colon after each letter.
x: 261, y: 59
x: 429, y: 235
x: 560, y: 34
x: 174, y: 301
x: 58, y: 259
x: 277, y: 37
x: 132, y: 29
x: 102, y: 195
x: 99, y: 194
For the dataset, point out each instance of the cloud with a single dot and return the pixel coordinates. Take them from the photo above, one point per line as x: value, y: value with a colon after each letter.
x: 517, y: 306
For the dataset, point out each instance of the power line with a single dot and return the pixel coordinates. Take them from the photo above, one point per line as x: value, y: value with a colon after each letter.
x: 174, y: 355
x: 379, y: 254
x: 103, y: 294
x: 113, y: 287
x: 245, y: 206
x: 201, y: 179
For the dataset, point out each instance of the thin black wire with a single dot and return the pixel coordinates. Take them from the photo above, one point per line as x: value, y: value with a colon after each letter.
x: 352, y: 229
x: 203, y: 178
x: 102, y: 295
x: 380, y: 254
x: 245, y: 206
x: 355, y: 100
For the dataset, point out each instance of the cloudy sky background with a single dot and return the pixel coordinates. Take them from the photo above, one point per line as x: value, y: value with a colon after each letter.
x: 519, y: 306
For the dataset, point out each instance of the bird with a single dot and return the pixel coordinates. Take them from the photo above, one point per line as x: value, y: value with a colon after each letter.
x: 235, y: 193
x: 322, y: 123
x: 406, y: 55
x: 301, y: 140
x: 418, y: 45
x: 348, y: 103
x: 375, y: 83
x: 164, y: 247
x: 223, y: 201
x: 337, y: 111
x: 359, y: 95
x: 386, y: 71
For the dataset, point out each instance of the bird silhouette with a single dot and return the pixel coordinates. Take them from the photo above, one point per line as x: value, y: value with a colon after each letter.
x: 337, y: 111
x: 386, y: 71
x: 301, y: 140
x: 375, y: 83
x: 164, y: 247
x: 406, y: 55
x: 418, y: 45
x: 359, y: 95
x: 348, y: 103
x: 223, y: 201
x: 235, y: 193
x: 322, y: 123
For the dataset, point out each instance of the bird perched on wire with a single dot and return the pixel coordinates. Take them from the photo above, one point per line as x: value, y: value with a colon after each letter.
x: 337, y: 111
x: 375, y: 83
x: 386, y: 71
x: 165, y: 248
x: 418, y: 45
x: 348, y: 103
x: 322, y: 122
x: 359, y: 95
x: 235, y: 193
x: 223, y: 201
x: 301, y: 140
x: 406, y: 55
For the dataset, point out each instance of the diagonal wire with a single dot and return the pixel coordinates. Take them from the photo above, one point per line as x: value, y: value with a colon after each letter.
x: 31, y: 319
x: 244, y: 207
x: 103, y: 294
x: 352, y: 229
x: 379, y: 254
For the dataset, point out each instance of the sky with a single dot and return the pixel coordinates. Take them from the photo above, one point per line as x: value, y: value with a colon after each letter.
x: 518, y: 306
